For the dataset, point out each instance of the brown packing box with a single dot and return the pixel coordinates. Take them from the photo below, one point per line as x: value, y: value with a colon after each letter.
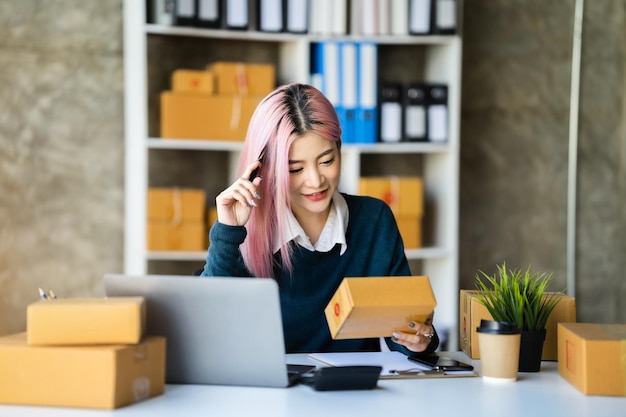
x: 472, y: 311
x: 203, y: 116
x: 164, y: 235
x: 405, y: 195
x: 86, y: 321
x: 176, y: 219
x: 377, y: 306
x: 193, y: 81
x: 105, y: 376
x: 592, y: 357
x: 243, y: 78
x: 176, y: 203
x: 411, y: 231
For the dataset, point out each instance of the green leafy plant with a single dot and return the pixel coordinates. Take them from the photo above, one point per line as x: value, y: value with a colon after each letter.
x: 516, y: 296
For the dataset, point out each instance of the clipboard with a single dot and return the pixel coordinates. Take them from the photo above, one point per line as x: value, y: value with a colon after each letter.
x: 395, y: 365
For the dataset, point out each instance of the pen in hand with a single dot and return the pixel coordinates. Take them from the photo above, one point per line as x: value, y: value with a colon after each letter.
x: 261, y: 159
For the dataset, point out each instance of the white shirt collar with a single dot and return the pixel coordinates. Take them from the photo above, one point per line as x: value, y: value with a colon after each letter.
x: 334, y: 231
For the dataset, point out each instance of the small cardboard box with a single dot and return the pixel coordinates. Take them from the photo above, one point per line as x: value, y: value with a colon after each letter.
x: 365, y: 307
x: 243, y: 78
x: 163, y: 235
x: 176, y: 219
x: 405, y: 195
x: 203, y: 116
x: 105, y: 377
x: 86, y: 321
x: 193, y: 81
x: 592, y: 357
x: 472, y: 311
x: 176, y: 203
x: 411, y: 231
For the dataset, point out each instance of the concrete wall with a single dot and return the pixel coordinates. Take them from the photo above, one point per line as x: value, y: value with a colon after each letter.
x: 61, y: 147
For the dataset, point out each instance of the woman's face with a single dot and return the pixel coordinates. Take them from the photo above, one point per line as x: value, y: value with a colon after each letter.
x: 314, y: 171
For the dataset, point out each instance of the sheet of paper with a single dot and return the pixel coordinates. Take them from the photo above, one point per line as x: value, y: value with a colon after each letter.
x: 390, y: 361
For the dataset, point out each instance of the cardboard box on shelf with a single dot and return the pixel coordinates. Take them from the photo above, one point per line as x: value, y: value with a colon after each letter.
x: 104, y: 377
x: 193, y: 81
x: 185, y: 236
x: 411, y: 230
x: 176, y: 219
x: 472, y: 311
x: 405, y: 195
x: 204, y: 116
x: 592, y: 357
x: 86, y: 321
x: 377, y: 306
x: 243, y: 78
x: 176, y: 203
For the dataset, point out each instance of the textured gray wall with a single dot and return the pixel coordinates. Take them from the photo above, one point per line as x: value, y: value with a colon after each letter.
x: 61, y: 150
x: 514, y: 146
x: 61, y: 147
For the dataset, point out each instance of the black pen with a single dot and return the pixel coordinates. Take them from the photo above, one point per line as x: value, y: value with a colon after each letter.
x: 261, y: 159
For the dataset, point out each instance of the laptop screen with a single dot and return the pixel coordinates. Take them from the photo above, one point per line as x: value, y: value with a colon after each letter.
x: 219, y: 330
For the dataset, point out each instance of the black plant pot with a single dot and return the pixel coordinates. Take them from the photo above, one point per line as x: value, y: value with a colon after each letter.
x: 531, y: 346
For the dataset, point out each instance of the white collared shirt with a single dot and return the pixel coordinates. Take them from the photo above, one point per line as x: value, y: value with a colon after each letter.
x: 334, y: 231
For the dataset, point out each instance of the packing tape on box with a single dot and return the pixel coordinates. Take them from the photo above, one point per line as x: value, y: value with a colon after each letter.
x: 242, y: 79
x: 235, y: 117
x: 392, y: 197
x: 177, y: 201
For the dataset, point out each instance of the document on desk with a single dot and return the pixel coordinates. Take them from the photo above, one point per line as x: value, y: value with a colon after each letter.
x: 395, y: 364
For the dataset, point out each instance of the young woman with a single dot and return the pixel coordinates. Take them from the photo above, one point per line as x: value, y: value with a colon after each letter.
x: 290, y: 223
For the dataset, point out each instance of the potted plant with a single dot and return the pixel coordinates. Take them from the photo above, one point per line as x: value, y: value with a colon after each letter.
x: 520, y: 297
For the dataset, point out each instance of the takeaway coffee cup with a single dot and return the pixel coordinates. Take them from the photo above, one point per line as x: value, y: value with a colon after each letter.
x: 499, y: 344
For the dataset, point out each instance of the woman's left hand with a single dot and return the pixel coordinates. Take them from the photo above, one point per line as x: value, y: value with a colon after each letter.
x: 418, y: 341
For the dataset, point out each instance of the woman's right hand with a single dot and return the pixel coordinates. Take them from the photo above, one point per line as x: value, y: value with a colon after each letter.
x: 235, y: 204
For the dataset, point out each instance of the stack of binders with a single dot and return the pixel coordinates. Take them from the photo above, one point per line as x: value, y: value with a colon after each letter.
x: 413, y: 112
x: 346, y: 72
x: 261, y: 15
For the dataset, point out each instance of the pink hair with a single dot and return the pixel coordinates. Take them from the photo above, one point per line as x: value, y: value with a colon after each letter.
x: 285, y: 114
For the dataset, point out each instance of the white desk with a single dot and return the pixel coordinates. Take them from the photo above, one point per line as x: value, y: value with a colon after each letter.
x: 544, y: 393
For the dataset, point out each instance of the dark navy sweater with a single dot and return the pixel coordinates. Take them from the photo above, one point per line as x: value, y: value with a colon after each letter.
x: 375, y: 248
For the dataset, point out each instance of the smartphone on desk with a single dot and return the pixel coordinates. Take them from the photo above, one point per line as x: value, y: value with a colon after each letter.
x: 441, y: 363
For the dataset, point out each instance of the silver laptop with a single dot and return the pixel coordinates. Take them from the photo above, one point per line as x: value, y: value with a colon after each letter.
x: 219, y: 330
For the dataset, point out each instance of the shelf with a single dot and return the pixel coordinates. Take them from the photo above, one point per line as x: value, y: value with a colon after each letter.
x: 251, y: 35
x: 411, y: 254
x: 435, y: 59
x: 374, y: 148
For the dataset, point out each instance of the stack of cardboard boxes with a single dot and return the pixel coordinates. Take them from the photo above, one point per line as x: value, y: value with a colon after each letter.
x: 88, y: 353
x: 405, y: 196
x: 216, y: 103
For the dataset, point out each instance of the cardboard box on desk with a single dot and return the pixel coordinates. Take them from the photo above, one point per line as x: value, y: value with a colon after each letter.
x: 86, y: 321
x: 592, y: 357
x: 364, y: 307
x: 99, y: 376
x: 243, y: 78
x: 472, y: 311
x: 204, y: 116
x: 405, y: 197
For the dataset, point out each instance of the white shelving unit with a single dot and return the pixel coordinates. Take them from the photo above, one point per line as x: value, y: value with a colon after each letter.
x: 440, y: 169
